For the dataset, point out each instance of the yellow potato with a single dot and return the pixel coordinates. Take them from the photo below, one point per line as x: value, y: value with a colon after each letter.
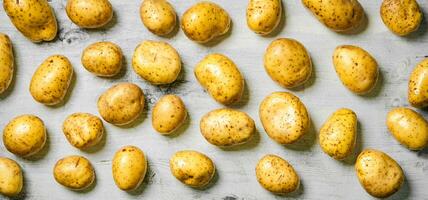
x: 378, y: 173
x: 51, y: 81
x: 129, y: 168
x: 277, y: 175
x: 89, y: 13
x: 408, y: 127
x: 338, y: 134
x: 221, y: 78
x: 11, y: 177
x: 74, y: 172
x: 418, y: 85
x: 168, y: 114
x: 284, y: 117
x: 205, y: 21
x: 192, y: 168
x: 24, y: 135
x: 263, y: 16
x: 356, y: 68
x: 35, y: 19
x: 227, y: 127
x: 102, y: 59
x: 402, y: 17
x: 287, y: 62
x: 156, y: 62
x: 83, y: 130
x: 158, y: 16
x: 6, y: 62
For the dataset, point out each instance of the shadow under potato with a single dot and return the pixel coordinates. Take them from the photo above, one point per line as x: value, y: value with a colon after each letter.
x: 351, y: 159
x: 306, y: 142
x: 282, y: 22
x: 220, y: 38
x: 252, y: 143
x: 43, y: 152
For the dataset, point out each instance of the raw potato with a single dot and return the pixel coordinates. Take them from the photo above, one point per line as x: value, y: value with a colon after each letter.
x: 83, y: 130
x: 168, y: 114
x: 192, y: 168
x: 356, y: 68
x: 378, y: 173
x: 51, y: 81
x: 102, y: 59
x: 408, y: 127
x: 24, y: 135
x: 287, y: 62
x: 227, y: 127
x: 89, y: 13
x: 205, y: 21
x: 74, y: 172
x: 158, y: 16
x: 121, y: 104
x: 35, y: 19
x: 156, y: 62
x: 402, y: 17
x: 418, y: 85
x: 11, y: 177
x: 6, y: 62
x: 277, y: 175
x: 129, y: 168
x: 263, y: 16
x: 339, y: 133
x: 221, y: 78
x: 284, y: 117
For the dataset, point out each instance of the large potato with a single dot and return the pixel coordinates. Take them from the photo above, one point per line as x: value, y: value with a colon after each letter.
x: 401, y: 16
x: 221, y: 78
x: 263, y: 16
x: 168, y: 114
x: 158, y: 16
x: 83, y: 130
x: 11, y: 177
x: 287, y: 62
x: 418, y: 85
x: 35, y: 19
x: 378, y: 173
x: 89, y: 13
x: 74, y: 172
x: 6, y: 62
x: 24, y: 135
x: 102, y: 59
x: 129, y: 167
x: 284, y: 117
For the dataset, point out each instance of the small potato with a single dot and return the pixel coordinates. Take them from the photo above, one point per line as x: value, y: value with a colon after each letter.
x: 35, y: 19
x: 51, y: 81
x: 378, y: 173
x: 287, y: 62
x: 284, y: 117
x: 102, y: 59
x: 277, y: 175
x: 89, y: 13
x: 168, y: 114
x: 192, y: 168
x: 408, y: 127
x: 156, y: 62
x: 121, y: 104
x: 74, y: 172
x: 83, y: 130
x: 129, y: 168
x: 263, y: 16
x: 402, y: 17
x: 158, y: 16
x: 11, y: 177
x: 227, y: 127
x: 6, y: 62
x: 356, y: 68
x: 221, y: 78
x: 418, y: 85
x: 205, y: 21
x: 24, y: 135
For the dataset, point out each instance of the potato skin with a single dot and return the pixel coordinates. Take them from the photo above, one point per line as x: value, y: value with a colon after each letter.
x: 83, y: 130
x: 168, y: 114
x: 102, y: 59
x: 158, y: 16
x: 402, y: 17
x: 11, y: 177
x: 6, y: 62
x: 129, y: 168
x: 89, y: 13
x: 74, y: 172
x: 418, y: 85
x: 263, y: 16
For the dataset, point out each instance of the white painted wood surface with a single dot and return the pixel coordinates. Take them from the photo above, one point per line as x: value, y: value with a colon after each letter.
x: 322, y: 177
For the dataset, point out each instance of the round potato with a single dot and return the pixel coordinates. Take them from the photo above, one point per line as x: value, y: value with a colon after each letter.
x: 11, y: 177
x: 156, y: 62
x: 102, y: 59
x: 6, y: 62
x: 378, y: 173
x: 221, y: 78
x: 168, y: 114
x: 401, y: 17
x: 35, y: 19
x: 89, y: 13
x: 287, y: 62
x: 284, y: 117
x: 74, y: 172
x: 129, y: 168
x: 24, y: 135
x: 263, y: 16
x: 83, y: 130
x: 418, y: 85
x: 158, y: 16
x: 192, y: 168
x: 205, y: 21
x: 277, y: 175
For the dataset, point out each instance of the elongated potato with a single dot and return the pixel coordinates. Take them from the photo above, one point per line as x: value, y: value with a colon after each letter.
x: 263, y: 16
x: 6, y: 62
x: 418, y: 85
x: 402, y: 17
x: 74, y: 172
x: 158, y: 16
x: 89, y: 13
x: 129, y: 167
x: 102, y: 59
x: 11, y: 177
x: 168, y: 114
x: 83, y: 130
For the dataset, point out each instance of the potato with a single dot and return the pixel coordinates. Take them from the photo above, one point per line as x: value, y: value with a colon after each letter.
x: 221, y: 78
x: 74, y: 172
x: 51, y: 81
x: 408, y: 127
x: 168, y: 114
x: 338, y: 134
x: 284, y: 117
x: 158, y: 16
x: 378, y: 173
x: 156, y: 62
x: 83, y: 130
x: 102, y: 59
x: 401, y: 17
x: 192, y: 168
x: 277, y: 175
x: 205, y: 21
x: 227, y: 127
x: 6, y: 62
x: 418, y: 85
x: 287, y: 62
x: 263, y: 16
x: 129, y: 168
x: 89, y: 13
x: 356, y: 68
x: 35, y: 19
x: 24, y: 135
x: 11, y: 177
